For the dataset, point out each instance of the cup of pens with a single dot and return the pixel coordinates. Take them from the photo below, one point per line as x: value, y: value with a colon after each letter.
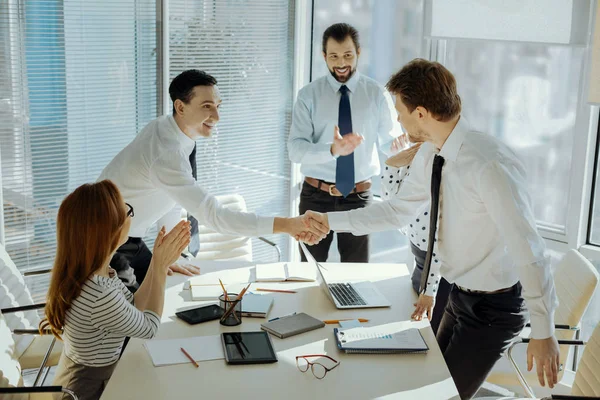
x: 232, y: 309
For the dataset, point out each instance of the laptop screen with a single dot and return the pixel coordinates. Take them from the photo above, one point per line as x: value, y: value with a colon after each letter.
x: 320, y: 277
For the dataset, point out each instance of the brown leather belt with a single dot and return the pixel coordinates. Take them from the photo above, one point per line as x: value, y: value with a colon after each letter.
x: 331, y: 189
x: 464, y: 289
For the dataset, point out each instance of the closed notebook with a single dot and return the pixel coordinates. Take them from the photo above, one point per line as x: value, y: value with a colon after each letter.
x: 285, y: 271
x: 380, y: 339
x: 256, y: 305
x: 292, y: 325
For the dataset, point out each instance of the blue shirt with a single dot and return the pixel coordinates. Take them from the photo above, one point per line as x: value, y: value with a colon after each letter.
x: 316, y: 114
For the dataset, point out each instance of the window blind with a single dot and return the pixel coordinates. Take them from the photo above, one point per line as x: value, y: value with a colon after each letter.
x: 248, y: 46
x: 77, y: 82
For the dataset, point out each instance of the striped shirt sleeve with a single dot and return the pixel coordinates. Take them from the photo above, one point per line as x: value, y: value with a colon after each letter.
x: 112, y: 312
x: 128, y: 295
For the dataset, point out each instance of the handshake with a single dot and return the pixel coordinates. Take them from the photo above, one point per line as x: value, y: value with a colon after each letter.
x: 310, y: 228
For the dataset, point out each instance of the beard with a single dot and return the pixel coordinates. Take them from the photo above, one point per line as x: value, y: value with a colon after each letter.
x: 342, y: 79
x: 417, y: 136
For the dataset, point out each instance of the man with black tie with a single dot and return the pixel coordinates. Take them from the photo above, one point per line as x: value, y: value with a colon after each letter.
x: 156, y: 171
x: 482, y: 224
x: 339, y: 121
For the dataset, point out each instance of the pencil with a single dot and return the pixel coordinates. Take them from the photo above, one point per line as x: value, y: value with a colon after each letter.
x: 224, y: 291
x: 337, y: 321
x: 190, y: 357
x: 275, y: 290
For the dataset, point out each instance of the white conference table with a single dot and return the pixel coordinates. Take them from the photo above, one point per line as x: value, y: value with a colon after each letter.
x: 359, y: 376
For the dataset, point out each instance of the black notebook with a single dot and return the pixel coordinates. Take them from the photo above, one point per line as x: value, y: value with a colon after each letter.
x: 380, y: 340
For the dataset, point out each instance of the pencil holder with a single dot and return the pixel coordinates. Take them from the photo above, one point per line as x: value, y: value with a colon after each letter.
x: 232, y: 310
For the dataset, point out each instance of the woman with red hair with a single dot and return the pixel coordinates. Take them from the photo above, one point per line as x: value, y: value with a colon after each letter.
x: 87, y: 305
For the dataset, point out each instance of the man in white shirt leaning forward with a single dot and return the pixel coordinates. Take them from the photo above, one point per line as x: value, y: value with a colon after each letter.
x: 481, y: 218
x: 157, y: 171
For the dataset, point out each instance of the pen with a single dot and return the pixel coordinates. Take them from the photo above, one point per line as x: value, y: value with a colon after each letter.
x: 190, y: 357
x: 275, y: 290
x: 275, y: 319
x: 337, y: 321
x: 224, y: 291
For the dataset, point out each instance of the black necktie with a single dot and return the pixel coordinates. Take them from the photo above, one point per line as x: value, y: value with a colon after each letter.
x: 436, y: 179
x: 344, y: 171
x: 194, y: 245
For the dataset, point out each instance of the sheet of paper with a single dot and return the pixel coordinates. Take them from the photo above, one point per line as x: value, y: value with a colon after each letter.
x: 353, y: 323
x: 379, y: 337
x: 168, y: 351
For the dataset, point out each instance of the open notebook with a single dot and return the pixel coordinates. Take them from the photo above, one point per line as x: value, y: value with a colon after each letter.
x: 213, y: 291
x: 380, y: 339
x: 285, y: 271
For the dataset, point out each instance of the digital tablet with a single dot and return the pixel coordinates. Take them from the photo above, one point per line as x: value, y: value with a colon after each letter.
x: 248, y: 348
x: 201, y: 314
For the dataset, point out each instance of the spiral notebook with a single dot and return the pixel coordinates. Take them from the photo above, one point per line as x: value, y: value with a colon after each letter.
x: 380, y: 340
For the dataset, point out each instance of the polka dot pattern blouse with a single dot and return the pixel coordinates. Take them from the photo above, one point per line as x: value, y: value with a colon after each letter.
x: 417, y: 231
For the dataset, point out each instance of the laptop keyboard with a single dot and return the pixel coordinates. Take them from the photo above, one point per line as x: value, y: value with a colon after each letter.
x: 346, y: 295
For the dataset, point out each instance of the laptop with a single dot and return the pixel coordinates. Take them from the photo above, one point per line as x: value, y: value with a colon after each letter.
x: 346, y: 294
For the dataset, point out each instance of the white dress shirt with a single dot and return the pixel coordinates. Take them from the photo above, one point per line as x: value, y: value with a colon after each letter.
x: 154, y: 174
x: 316, y: 114
x: 487, y: 233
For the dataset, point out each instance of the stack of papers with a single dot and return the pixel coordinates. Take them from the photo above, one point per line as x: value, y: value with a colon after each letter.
x: 288, y: 271
x: 168, y: 351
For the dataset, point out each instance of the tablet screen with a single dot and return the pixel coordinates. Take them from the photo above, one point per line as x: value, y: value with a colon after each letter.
x: 248, y: 348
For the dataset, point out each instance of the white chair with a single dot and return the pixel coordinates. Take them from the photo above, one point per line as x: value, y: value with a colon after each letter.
x: 575, y: 279
x: 587, y: 378
x: 31, y: 349
x: 11, y: 380
x: 218, y: 246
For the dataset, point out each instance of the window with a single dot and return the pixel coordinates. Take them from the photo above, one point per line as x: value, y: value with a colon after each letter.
x: 248, y: 46
x: 77, y: 82
x: 391, y: 34
x: 527, y: 96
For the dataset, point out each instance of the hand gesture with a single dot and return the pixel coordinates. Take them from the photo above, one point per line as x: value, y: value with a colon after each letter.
x: 344, y: 145
x: 187, y: 269
x: 423, y: 306
x: 168, y: 246
x: 546, y: 354
x: 400, y: 143
x: 313, y: 221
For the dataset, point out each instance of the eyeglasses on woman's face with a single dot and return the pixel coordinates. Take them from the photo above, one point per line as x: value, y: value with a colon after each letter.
x: 130, y: 212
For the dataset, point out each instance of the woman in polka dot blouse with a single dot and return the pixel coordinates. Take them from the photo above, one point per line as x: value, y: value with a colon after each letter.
x: 396, y: 169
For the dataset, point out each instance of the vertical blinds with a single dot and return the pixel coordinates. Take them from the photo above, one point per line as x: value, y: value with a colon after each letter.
x: 77, y: 82
x: 248, y: 46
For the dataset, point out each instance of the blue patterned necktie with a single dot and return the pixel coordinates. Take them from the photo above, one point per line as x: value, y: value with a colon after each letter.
x: 344, y: 171
x: 194, y: 245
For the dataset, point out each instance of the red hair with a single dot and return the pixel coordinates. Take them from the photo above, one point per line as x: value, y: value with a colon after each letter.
x: 88, y: 229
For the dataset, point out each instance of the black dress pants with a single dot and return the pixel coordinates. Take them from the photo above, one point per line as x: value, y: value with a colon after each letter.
x: 352, y: 248
x: 475, y: 331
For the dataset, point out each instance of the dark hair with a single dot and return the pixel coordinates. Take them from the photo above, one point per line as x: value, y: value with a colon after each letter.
x: 427, y: 84
x: 339, y: 32
x: 182, y: 86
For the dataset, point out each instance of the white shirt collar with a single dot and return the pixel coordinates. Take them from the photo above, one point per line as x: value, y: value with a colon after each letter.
x: 186, y: 142
x: 351, y: 84
x: 455, y: 141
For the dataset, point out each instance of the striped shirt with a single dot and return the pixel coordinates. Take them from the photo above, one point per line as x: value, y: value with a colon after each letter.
x: 99, y: 320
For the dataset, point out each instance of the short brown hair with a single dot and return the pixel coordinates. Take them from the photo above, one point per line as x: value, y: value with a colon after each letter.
x: 339, y: 32
x: 427, y: 84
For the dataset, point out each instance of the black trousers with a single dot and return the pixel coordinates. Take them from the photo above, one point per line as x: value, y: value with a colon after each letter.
x: 475, y: 330
x: 443, y: 292
x: 352, y: 248
x: 131, y: 261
